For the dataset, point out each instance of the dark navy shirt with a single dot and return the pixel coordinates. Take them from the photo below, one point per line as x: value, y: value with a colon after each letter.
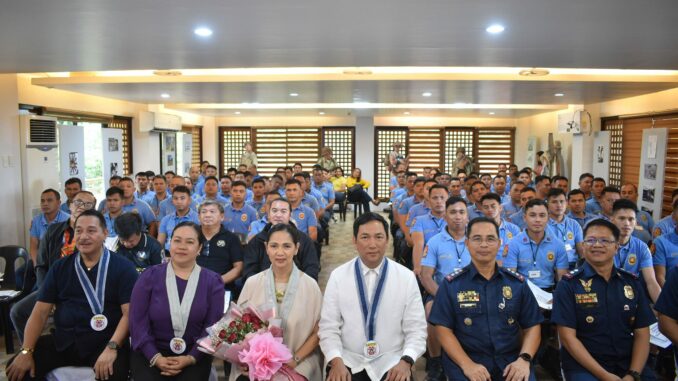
x: 219, y: 253
x: 604, y: 314
x: 147, y: 252
x: 73, y: 314
x: 486, y: 316
x: 667, y: 303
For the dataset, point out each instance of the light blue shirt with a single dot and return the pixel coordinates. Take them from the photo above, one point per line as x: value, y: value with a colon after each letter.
x: 319, y: 197
x: 258, y: 206
x: 39, y: 223
x: 507, y: 232
x: 518, y: 219
x: 311, y: 202
x: 239, y: 220
x: 257, y: 226
x: 666, y: 250
x: 326, y: 189
x: 169, y: 222
x: 634, y: 256
x: 146, y: 196
x: 166, y: 207
x: 141, y: 207
x: 416, y: 210
x: 304, y: 217
x: 154, y: 203
x: 445, y: 255
x: 110, y: 225
x: 665, y: 226
x: 508, y: 209
x: 593, y: 206
x: 570, y: 233
x: 406, y: 203
x: 397, y: 193
x: 474, y: 212
x: 428, y: 224
x: 537, y: 262
x: 200, y: 199
x: 584, y: 220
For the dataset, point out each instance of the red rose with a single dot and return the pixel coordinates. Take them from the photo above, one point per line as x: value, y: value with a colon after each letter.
x: 231, y: 339
x: 247, y: 318
x: 231, y: 324
x: 222, y: 334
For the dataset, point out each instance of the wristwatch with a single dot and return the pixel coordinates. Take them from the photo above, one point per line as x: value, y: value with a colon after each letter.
x: 25, y: 351
x: 634, y: 374
x: 297, y: 359
x: 408, y: 360
x: 525, y: 356
x: 113, y: 345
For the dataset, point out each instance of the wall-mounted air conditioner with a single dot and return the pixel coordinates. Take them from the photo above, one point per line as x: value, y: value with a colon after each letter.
x: 158, y: 122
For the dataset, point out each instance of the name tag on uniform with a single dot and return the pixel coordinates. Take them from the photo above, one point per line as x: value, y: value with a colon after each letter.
x: 534, y: 274
x: 468, y: 305
x: 586, y: 299
x: 467, y: 296
x: 568, y: 247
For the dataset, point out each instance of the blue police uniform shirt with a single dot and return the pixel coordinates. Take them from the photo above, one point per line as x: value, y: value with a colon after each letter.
x: 486, y: 316
x: 518, y: 219
x: 311, y: 202
x: 582, y: 221
x: 664, y: 226
x: 538, y: 262
x: 393, y: 181
x: 303, y: 218
x: 445, y: 254
x: 326, y: 190
x: 474, y: 212
x: 258, y: 206
x: 199, y: 187
x: 667, y: 303
x: 72, y: 315
x: 570, y: 233
x: 257, y: 226
x: 507, y: 232
x: 200, y: 199
x: 65, y: 208
x: 145, y: 197
x: 429, y: 225
x: 593, y: 206
x: 169, y: 222
x: 603, y: 313
x: 145, y: 211
x: 154, y: 203
x: 239, y: 220
x: 110, y: 224
x: 420, y: 209
x: 645, y: 220
x: 322, y: 203
x: 406, y: 203
x: 665, y: 250
x: 39, y: 223
x: 166, y: 207
x: 397, y: 193
x: 399, y: 198
x: 633, y: 256
x: 508, y: 209
x: 248, y: 194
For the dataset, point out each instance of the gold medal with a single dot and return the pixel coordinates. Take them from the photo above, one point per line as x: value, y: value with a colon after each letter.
x: 628, y: 292
x: 507, y: 292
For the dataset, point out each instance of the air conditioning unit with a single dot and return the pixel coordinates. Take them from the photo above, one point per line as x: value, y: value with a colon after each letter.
x: 39, y: 161
x: 158, y: 122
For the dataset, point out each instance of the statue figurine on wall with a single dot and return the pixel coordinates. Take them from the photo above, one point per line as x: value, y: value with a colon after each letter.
x: 557, y: 164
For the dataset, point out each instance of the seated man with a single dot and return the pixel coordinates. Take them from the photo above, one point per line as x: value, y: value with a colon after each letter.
x: 91, y: 292
x: 135, y: 245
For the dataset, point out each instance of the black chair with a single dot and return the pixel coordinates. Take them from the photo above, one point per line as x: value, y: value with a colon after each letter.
x: 9, y: 256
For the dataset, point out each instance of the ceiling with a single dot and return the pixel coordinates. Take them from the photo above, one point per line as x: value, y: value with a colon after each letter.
x: 95, y: 35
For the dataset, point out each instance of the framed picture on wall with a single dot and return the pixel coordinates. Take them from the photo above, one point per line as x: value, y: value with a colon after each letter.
x: 168, y: 148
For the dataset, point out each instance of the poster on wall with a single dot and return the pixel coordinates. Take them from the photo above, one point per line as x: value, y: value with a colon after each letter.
x: 187, y: 152
x: 111, y: 142
x: 601, y: 154
x: 168, y: 152
x: 530, y: 158
x: 652, y: 167
x: 71, y: 153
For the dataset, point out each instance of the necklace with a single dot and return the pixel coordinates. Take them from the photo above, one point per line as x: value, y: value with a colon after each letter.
x: 280, y: 289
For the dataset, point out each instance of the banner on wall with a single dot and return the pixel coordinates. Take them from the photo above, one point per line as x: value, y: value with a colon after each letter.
x: 601, y: 155
x: 531, y: 156
x: 187, y: 154
x: 651, y: 178
x: 71, y: 153
x: 111, y: 145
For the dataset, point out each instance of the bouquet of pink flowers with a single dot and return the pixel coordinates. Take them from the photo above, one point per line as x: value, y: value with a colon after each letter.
x: 251, y: 338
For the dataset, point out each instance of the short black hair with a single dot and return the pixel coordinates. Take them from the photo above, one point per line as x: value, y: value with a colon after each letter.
x: 528, y: 189
x: 57, y: 195
x: 555, y: 192
x: 239, y: 184
x: 605, y: 223
x: 73, y: 180
x: 128, y: 224
x: 115, y: 177
x: 541, y: 178
x: 231, y: 169
x: 533, y: 203
x: 195, y: 227
x: 170, y: 173
x: 623, y: 203
x: 491, y: 196
x: 292, y: 181
x: 303, y: 174
x: 299, y: 164
x: 478, y: 182
x: 141, y: 174
x: 499, y: 177
x: 575, y: 192
x: 610, y: 189
x: 420, y: 179
x: 160, y: 177
x: 366, y: 218
x: 287, y: 228
x: 584, y: 176
x: 128, y: 179
x: 453, y: 200
x: 525, y: 171
x: 410, y: 174
x: 674, y: 193
x: 115, y: 190
x: 225, y: 177
x: 600, y: 180
x: 208, y: 178
x: 258, y: 180
x: 92, y: 213
x: 280, y: 199
x: 480, y: 220
x: 517, y: 182
x: 437, y: 186
x: 182, y: 189
x: 211, y: 166
x: 150, y: 174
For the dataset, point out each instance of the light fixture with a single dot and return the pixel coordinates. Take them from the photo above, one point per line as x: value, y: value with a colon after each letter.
x: 426, y: 94
x: 321, y: 113
x: 558, y: 95
x: 237, y: 113
x: 495, y: 29
x: 406, y: 113
x: 294, y: 94
x: 164, y: 95
x: 491, y: 112
x: 202, y: 31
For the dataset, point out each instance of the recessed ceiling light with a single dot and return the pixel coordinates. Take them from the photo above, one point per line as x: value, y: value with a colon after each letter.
x: 202, y: 31
x: 491, y: 113
x: 164, y: 95
x: 495, y: 29
x: 294, y: 94
x: 558, y: 95
x: 406, y: 113
x: 237, y: 113
x: 321, y: 113
x: 426, y: 94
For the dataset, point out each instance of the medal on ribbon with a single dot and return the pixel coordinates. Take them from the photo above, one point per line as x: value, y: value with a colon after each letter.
x: 95, y: 295
x: 179, y: 311
x: 371, y: 347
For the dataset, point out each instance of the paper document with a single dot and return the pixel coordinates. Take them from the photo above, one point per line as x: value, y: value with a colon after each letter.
x: 544, y: 299
x: 9, y: 293
x: 657, y: 338
x: 111, y: 243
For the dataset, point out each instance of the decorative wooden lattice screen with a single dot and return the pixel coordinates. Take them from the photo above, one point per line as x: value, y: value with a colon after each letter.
x: 124, y: 124
x: 425, y: 148
x: 616, y: 150
x: 494, y: 147
x: 283, y: 146
x: 231, y: 145
x: 458, y: 137
x: 342, y: 142
x: 384, y: 139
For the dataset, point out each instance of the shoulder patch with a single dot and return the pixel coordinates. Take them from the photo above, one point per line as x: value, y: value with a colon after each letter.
x: 657, y: 232
x: 512, y: 273
x: 653, y: 249
x: 450, y: 277
x: 627, y: 273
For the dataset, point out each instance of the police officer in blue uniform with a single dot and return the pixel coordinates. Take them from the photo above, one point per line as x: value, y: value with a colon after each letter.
x: 562, y: 227
x: 518, y: 218
x: 492, y: 209
x: 602, y: 314
x: 667, y: 308
x: 576, y: 202
x: 667, y: 224
x: 664, y: 251
x: 424, y: 227
x: 486, y: 318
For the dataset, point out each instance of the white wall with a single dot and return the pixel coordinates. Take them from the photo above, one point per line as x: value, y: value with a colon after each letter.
x: 11, y: 200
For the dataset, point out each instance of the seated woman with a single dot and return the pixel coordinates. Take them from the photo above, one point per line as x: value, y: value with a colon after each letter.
x: 296, y: 297
x: 359, y: 193
x: 338, y: 181
x: 172, y: 305
x: 326, y: 160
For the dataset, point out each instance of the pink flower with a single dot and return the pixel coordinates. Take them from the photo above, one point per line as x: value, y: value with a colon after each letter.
x: 265, y: 356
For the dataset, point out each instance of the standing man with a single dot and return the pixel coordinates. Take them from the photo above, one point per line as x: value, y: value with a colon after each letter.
x: 50, y: 200
x: 91, y: 291
x: 562, y: 228
x: 71, y: 188
x: 633, y: 254
x: 602, y: 314
x: 486, y: 317
x: 576, y: 202
x: 372, y: 322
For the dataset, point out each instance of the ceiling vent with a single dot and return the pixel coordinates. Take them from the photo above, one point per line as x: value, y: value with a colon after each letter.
x: 534, y: 72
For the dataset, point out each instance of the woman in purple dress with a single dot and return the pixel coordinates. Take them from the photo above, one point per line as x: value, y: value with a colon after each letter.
x: 172, y: 304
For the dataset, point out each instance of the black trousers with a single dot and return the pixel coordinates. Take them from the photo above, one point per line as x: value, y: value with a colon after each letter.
x: 47, y: 358
x: 142, y: 372
x: 362, y: 197
x: 362, y: 376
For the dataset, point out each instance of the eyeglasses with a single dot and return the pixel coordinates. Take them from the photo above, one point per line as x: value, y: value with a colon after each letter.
x: 593, y: 241
x: 83, y: 204
x: 489, y: 240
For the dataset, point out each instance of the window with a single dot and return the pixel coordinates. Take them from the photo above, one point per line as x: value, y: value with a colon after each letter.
x: 385, y: 137
x: 456, y: 137
x: 494, y: 146
x: 424, y: 148
x: 231, y: 144
x: 341, y: 141
x: 616, y: 149
x: 124, y: 124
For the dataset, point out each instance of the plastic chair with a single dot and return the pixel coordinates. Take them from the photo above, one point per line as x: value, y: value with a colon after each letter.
x: 11, y: 257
